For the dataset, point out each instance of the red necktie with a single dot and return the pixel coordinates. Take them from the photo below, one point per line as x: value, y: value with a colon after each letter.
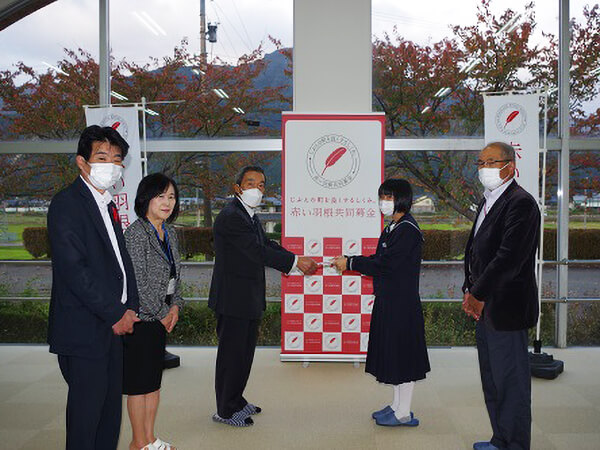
x: 114, y: 214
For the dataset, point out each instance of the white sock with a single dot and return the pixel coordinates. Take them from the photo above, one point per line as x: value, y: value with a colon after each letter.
x: 402, y: 399
x: 396, y: 403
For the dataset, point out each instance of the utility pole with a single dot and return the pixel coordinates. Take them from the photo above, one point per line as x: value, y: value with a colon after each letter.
x: 203, y: 56
x: 104, y: 57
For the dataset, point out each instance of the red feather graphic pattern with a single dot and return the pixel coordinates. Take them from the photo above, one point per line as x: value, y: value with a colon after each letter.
x: 333, y: 158
x: 511, y: 117
x: 115, y: 125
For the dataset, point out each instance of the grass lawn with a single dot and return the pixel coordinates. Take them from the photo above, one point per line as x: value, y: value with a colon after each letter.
x: 14, y: 253
x: 17, y: 222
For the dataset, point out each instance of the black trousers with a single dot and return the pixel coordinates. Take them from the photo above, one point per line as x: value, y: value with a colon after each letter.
x: 94, y: 399
x: 237, y: 342
x: 506, y: 382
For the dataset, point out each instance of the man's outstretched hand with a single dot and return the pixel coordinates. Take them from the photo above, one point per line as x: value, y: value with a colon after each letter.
x: 307, y: 265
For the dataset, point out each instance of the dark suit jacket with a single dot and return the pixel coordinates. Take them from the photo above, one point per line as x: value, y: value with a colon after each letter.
x: 87, y: 280
x: 241, y: 254
x: 500, y: 260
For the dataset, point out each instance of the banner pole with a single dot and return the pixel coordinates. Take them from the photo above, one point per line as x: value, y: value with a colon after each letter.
x: 144, y: 147
x: 537, y: 344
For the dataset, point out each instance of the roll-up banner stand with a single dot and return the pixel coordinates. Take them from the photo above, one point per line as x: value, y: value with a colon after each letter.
x: 332, y: 166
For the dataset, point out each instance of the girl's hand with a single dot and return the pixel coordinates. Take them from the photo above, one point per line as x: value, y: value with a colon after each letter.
x: 340, y: 263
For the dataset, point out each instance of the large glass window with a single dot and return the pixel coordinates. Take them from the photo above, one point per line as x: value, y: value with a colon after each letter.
x: 237, y: 88
x: 433, y: 60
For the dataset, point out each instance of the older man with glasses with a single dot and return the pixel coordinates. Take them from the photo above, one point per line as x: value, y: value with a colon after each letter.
x: 500, y: 292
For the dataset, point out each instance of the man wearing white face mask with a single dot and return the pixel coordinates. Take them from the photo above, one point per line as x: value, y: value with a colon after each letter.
x: 237, y: 292
x: 500, y: 292
x: 94, y: 294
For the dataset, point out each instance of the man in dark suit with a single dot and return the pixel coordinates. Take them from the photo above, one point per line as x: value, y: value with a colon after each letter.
x: 94, y: 294
x: 237, y: 292
x: 500, y: 292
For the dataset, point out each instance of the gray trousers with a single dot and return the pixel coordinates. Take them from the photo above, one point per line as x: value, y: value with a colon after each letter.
x: 506, y: 383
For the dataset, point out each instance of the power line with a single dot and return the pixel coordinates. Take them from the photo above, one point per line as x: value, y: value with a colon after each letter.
x: 241, y: 21
x: 234, y: 28
x: 224, y: 29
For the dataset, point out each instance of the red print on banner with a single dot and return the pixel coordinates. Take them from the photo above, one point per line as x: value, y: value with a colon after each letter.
x: 313, y: 342
x: 332, y: 323
x: 124, y: 219
x: 333, y: 158
x: 332, y: 285
x: 293, y: 284
x: 366, y: 286
x: 351, y: 304
x: 294, y: 244
x: 518, y: 150
x: 121, y: 201
x: 293, y: 322
x: 365, y: 322
x: 313, y: 303
x: 369, y: 246
x: 351, y: 342
x: 332, y: 246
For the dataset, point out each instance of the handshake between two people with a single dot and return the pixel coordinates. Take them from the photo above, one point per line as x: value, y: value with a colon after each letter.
x: 309, y: 266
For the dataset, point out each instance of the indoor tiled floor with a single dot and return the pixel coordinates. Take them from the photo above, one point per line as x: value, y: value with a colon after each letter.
x: 322, y: 406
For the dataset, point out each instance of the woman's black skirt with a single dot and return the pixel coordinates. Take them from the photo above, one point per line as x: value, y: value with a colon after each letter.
x: 144, y: 352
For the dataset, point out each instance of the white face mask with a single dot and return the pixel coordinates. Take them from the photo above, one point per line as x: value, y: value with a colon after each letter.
x: 386, y: 207
x: 105, y: 175
x: 490, y: 177
x: 252, y: 197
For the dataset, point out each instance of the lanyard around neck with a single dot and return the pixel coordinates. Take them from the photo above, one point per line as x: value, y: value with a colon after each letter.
x: 168, y: 251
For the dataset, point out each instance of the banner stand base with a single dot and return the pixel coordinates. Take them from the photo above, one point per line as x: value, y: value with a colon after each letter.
x: 308, y: 358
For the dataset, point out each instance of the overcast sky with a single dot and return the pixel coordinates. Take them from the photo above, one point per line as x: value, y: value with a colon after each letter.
x: 243, y: 25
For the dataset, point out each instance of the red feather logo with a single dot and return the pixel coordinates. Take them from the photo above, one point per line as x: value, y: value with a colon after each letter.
x: 511, y: 117
x: 332, y: 340
x: 295, y: 339
x: 333, y: 158
x: 115, y: 125
x: 332, y: 302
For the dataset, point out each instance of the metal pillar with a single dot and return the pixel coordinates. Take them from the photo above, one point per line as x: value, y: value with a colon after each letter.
x: 104, y: 57
x: 564, y: 57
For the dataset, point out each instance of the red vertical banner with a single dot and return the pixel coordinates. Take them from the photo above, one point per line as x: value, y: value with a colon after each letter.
x: 332, y: 166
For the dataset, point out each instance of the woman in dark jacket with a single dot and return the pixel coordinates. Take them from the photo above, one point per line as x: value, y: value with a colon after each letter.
x: 152, y: 243
x: 397, y: 353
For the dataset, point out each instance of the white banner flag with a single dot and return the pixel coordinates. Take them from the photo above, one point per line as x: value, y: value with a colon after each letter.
x: 514, y: 119
x: 125, y: 121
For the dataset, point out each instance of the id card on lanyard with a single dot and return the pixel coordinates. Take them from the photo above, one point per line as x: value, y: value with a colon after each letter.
x: 169, y: 255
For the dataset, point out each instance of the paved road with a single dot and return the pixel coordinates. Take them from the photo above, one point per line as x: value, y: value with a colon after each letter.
x: 436, y: 281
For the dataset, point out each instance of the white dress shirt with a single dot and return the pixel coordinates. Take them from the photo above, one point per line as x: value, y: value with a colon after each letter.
x: 490, y: 198
x: 102, y: 200
x: 250, y: 211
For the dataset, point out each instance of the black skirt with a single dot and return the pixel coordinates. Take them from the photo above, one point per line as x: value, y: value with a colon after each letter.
x: 143, y: 353
x: 397, y: 351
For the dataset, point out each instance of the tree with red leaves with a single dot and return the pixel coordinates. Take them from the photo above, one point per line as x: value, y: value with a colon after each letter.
x: 50, y: 106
